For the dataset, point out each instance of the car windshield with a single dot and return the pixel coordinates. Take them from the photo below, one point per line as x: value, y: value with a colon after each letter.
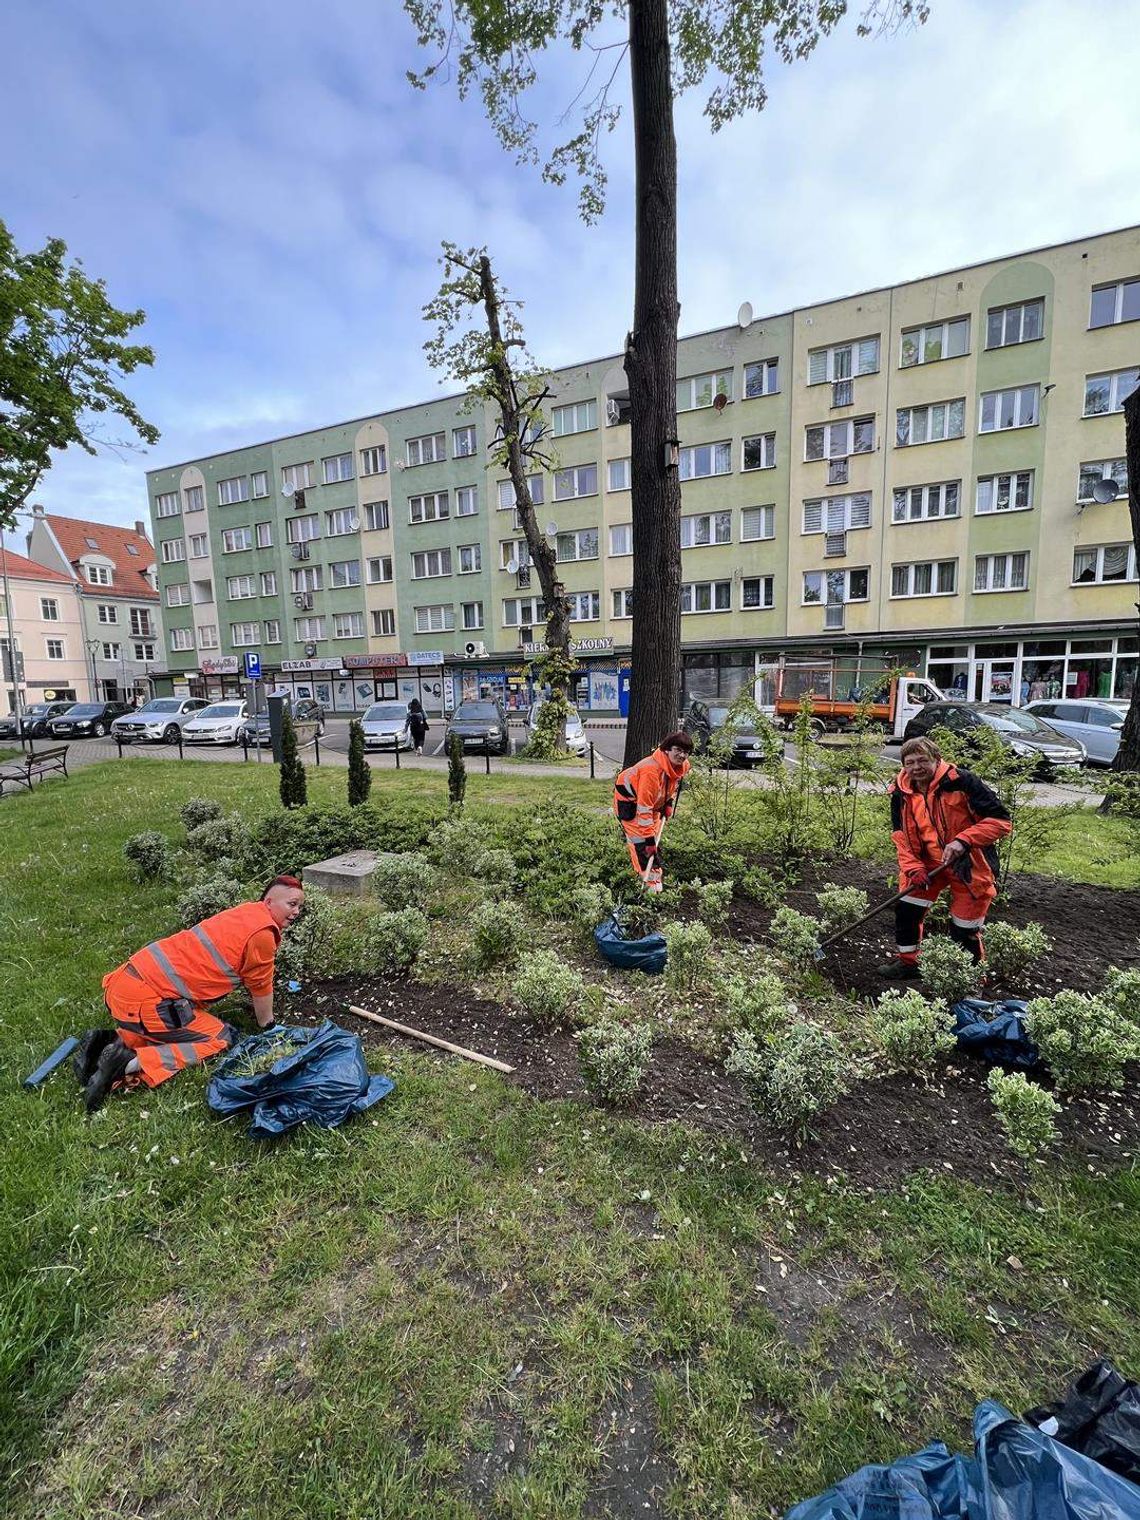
x: 386, y: 712
x: 221, y: 710
x: 162, y: 704
x: 718, y: 716
x: 468, y: 711
x: 85, y: 710
x: 38, y: 710
x: 1011, y: 720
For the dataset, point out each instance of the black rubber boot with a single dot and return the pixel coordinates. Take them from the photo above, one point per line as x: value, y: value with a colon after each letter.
x: 899, y: 971
x: 86, y: 1058
x: 112, y: 1068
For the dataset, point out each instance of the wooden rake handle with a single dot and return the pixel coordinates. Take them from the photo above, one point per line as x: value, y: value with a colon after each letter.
x: 430, y: 1039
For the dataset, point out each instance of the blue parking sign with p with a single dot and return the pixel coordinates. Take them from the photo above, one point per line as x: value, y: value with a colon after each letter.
x: 252, y: 666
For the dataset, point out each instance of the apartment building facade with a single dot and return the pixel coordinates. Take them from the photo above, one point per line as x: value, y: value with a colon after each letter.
x: 42, y: 620
x: 929, y: 474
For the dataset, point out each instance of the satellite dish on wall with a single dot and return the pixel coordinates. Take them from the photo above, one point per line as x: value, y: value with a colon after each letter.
x: 512, y: 566
x: 1105, y: 490
x: 744, y: 315
x: 552, y: 530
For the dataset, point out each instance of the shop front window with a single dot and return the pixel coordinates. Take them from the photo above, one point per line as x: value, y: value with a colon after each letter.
x: 1125, y: 679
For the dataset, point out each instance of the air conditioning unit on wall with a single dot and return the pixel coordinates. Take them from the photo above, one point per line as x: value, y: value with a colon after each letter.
x: 474, y: 649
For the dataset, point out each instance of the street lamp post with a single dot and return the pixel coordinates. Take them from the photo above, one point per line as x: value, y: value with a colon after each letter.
x: 12, y: 656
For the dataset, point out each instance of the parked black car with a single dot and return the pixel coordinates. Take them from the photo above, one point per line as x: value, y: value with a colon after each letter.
x: 1025, y: 734
x: 702, y: 720
x: 256, y: 730
x: 481, y: 724
x: 87, y: 720
x: 34, y: 720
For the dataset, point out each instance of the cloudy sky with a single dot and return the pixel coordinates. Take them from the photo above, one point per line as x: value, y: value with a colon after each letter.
x: 262, y: 180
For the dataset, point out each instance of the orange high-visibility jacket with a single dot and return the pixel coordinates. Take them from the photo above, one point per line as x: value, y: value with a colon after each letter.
x: 226, y: 951
x: 644, y: 794
x: 956, y: 805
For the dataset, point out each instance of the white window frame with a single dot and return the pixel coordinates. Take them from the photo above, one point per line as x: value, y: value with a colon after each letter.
x: 621, y: 534
x: 719, y: 592
x: 263, y: 535
x: 582, y: 478
x: 821, y: 600
x: 233, y: 490
x: 837, y: 439
x: 107, y: 612
x: 618, y: 474
x: 341, y: 521
x: 930, y: 493
x: 920, y: 337
x: 374, y: 460
x: 199, y: 546
x: 439, y: 618
x: 581, y: 545
x: 100, y: 575
x: 296, y: 477
x: 767, y: 442
x: 475, y: 621
x: 383, y: 623
x: 303, y: 530
x: 1098, y: 551
x: 767, y: 373
x: 826, y: 365
x: 245, y: 635
x: 513, y: 616
x: 49, y: 609
x: 207, y: 636
x: 1118, y: 287
x: 432, y: 506
x: 231, y: 543
x: 431, y: 564
x: 240, y: 588
x: 514, y: 549
x: 1026, y: 408
x: 181, y: 640
x: 173, y: 553
x: 272, y: 630
x: 837, y: 514
x: 506, y: 493
x: 268, y: 582
x: 466, y: 501
x: 1007, y: 560
x: 767, y: 601
x: 310, y: 629
x: 384, y: 568
x: 470, y: 560
x: 141, y: 625
x: 166, y: 504
x: 182, y: 599
x: 194, y: 499
x: 574, y: 417
x: 719, y: 460
x: 912, y: 567
x: 144, y: 651
x: 1107, y: 469
x: 1007, y: 312
x: 1115, y: 380
x: 259, y: 484
x: 354, y: 628
x: 337, y: 467
x: 695, y: 392
x: 591, y: 600
x: 621, y: 603
x: 377, y: 517
x: 463, y: 441
x: 345, y: 568
x: 767, y: 521
x: 113, y: 651
x: 426, y: 448
x: 718, y: 528
x: 55, y: 649
x: 989, y: 487
x: 306, y: 579
x: 945, y: 413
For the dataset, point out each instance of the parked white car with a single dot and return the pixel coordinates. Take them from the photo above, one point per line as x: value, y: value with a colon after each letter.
x: 576, y: 741
x: 384, y: 726
x: 220, y: 723
x: 159, y: 721
x: 1095, y: 721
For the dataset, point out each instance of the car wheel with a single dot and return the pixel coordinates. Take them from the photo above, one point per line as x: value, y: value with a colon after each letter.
x: 170, y: 734
x: 100, y: 730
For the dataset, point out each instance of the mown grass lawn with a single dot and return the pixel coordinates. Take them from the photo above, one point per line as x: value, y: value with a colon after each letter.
x: 470, y: 1303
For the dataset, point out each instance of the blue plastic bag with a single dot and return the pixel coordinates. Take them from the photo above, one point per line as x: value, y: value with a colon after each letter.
x: 932, y: 1484
x: 995, y: 1033
x: 646, y: 954
x: 323, y: 1080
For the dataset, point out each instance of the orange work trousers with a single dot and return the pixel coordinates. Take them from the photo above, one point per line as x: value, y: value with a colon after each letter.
x: 163, y: 1047
x: 645, y: 857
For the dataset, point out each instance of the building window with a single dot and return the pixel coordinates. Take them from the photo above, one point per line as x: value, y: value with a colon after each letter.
x: 757, y: 593
x: 375, y: 516
x: 239, y: 586
x: 837, y: 514
x: 344, y: 572
x: 838, y: 586
x: 582, y: 544
x: 244, y: 633
x: 99, y: 575
x: 703, y: 459
x: 706, y: 596
x: 431, y: 508
x: 926, y: 578
x: 348, y: 625
x: 302, y: 530
x: 466, y: 501
x: 107, y: 612
x: 429, y: 563
x: 621, y: 539
x: 843, y: 360
x: 838, y: 440
x: 1022, y: 323
x: 263, y: 533
x: 194, y: 499
x: 511, y: 549
x: 761, y: 378
x: 208, y: 636
x: 521, y: 611
x: 937, y: 340
x: 434, y: 619
x: 463, y: 441
x: 430, y: 448
x: 141, y: 625
x: 507, y: 492
x: 707, y: 528
x: 272, y: 627
x: 617, y: 475
x: 924, y: 503
x: 231, y: 491
x: 54, y: 649
x: 383, y: 623
x: 49, y: 609
x: 1108, y: 393
x: 1001, y: 572
x: 1005, y: 493
x: 1016, y: 408
x: 173, y: 551
x: 1115, y: 303
x: 585, y: 606
x: 1104, y: 564
x: 166, y: 505
x: 580, y: 417
x: 342, y: 521
x: 181, y: 639
x: 379, y: 569
x: 309, y: 628
x: 177, y: 596
x: 930, y: 424
x: 470, y: 559
x: 757, y: 523
x: 623, y: 603
x: 112, y: 651
x: 259, y: 484
x: 470, y: 615
x: 199, y: 546
x: 234, y: 540
x: 374, y: 461
x: 759, y: 452
x: 1097, y: 470
x: 337, y: 467
x: 296, y: 477
x: 696, y: 391
x: 269, y: 583
x: 580, y: 480
x: 202, y: 592
x: 308, y: 578
x: 144, y: 651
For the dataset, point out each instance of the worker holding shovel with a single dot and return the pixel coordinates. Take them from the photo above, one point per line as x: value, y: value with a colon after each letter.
x: 945, y: 824
x: 645, y: 795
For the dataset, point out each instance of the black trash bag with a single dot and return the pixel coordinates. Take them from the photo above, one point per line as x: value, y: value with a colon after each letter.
x: 647, y: 954
x: 322, y: 1080
x: 1099, y: 1416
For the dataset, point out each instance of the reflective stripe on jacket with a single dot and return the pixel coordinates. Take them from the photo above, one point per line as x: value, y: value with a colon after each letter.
x: 956, y: 805
x: 644, y: 794
x: 223, y: 952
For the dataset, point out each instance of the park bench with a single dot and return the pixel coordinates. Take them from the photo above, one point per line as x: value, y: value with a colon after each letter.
x: 33, y: 766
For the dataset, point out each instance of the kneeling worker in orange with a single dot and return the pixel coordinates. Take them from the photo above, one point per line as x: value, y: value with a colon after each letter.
x: 645, y: 795
x: 157, y: 998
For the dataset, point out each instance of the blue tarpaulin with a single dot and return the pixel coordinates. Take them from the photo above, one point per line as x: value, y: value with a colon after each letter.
x: 995, y: 1033
x: 1016, y: 1473
x: 322, y: 1080
x: 647, y: 954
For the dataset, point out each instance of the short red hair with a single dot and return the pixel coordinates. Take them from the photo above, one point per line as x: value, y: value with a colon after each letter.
x: 283, y: 881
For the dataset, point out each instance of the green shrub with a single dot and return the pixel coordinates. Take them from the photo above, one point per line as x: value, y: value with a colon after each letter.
x: 309, y: 946
x: 841, y: 906
x: 289, y: 841
x: 914, y: 1033
x: 359, y: 771
x: 557, y: 848
x: 218, y: 838
x: 496, y: 935
x: 292, y: 784
x: 791, y: 1077
x: 496, y: 869
x: 612, y: 1058
x: 456, y: 773
x: 460, y: 843
x: 761, y: 886
x: 1026, y: 1112
x: 590, y: 904
x: 795, y: 935
x: 1122, y: 990
x: 208, y: 897
x: 947, y: 969
x: 403, y: 881
x: 714, y: 898
x: 1011, y: 952
x: 548, y: 989
x: 688, y: 964
x: 388, y: 942
x: 149, y: 853
x: 199, y: 810
x: 1082, y: 1039
x: 758, y: 1003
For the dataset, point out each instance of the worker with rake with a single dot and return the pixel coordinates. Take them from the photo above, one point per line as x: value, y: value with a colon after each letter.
x: 645, y: 795
x: 158, y: 998
x: 945, y: 824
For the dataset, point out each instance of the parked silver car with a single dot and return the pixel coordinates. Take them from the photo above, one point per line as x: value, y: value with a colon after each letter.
x: 220, y: 723
x: 576, y: 741
x: 385, y: 726
x: 158, y: 722
x: 1095, y: 721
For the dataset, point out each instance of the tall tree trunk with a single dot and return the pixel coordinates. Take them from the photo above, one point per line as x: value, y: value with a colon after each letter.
x: 1128, y: 755
x: 651, y: 366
